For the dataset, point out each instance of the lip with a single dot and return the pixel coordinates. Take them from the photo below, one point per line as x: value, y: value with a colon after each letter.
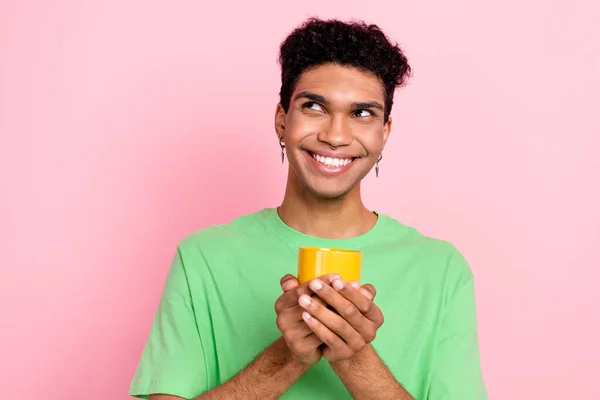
x: 329, y: 170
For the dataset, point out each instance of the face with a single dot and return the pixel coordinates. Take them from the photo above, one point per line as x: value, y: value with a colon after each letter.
x: 334, y: 106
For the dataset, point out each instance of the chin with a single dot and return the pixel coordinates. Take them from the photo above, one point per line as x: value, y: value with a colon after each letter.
x: 322, y: 187
x: 329, y: 192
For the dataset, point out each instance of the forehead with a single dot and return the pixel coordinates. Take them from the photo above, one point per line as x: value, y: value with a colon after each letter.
x: 341, y: 83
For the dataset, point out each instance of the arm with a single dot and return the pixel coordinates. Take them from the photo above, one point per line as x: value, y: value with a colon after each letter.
x: 272, y: 373
x: 456, y: 370
x: 367, y: 377
x: 267, y: 377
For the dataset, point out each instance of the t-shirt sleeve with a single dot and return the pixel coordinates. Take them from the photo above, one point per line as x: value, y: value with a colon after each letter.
x: 172, y: 360
x: 456, y: 371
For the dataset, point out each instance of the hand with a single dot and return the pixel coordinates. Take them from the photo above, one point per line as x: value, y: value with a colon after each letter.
x: 355, y: 324
x: 300, y: 339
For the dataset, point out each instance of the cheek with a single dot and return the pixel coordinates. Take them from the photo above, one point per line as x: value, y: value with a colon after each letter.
x: 371, y: 139
x: 301, y: 124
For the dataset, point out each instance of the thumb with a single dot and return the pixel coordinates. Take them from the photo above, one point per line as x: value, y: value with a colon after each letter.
x: 288, y: 282
x: 369, y: 291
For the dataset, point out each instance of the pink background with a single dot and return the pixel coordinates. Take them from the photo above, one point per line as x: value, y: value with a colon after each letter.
x: 126, y: 125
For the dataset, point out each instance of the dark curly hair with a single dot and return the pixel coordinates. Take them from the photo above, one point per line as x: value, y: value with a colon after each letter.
x: 354, y: 44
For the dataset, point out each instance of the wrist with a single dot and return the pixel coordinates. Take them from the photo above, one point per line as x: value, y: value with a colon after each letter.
x: 285, y: 358
x: 354, y: 362
x: 269, y: 375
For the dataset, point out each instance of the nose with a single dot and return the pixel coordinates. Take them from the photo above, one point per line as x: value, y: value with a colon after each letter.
x: 336, y: 133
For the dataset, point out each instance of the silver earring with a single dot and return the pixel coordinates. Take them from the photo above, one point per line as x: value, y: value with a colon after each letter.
x: 282, y: 145
x: 377, y: 166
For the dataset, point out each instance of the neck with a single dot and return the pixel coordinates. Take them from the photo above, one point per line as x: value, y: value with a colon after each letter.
x: 339, y: 218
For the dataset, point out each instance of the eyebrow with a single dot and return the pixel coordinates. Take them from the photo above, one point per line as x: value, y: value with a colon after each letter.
x: 370, y: 104
x: 321, y: 99
x: 311, y: 96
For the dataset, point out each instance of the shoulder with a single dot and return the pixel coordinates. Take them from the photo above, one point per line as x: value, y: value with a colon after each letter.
x: 435, y: 255
x: 220, y: 235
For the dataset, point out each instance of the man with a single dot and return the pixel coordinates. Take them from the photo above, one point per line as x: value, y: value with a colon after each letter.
x: 230, y: 327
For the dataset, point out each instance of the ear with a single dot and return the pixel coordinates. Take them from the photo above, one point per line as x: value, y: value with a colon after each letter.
x: 387, y: 129
x: 280, y: 121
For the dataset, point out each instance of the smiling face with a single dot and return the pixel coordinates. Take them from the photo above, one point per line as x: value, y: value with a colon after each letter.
x: 338, y: 106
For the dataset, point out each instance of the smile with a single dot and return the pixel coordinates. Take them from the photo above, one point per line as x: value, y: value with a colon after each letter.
x: 332, y: 161
x: 327, y: 163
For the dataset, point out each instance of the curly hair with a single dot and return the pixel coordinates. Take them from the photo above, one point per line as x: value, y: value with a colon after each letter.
x: 354, y: 44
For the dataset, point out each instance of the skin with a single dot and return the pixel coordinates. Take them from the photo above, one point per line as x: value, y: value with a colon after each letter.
x: 339, y: 106
x: 331, y: 206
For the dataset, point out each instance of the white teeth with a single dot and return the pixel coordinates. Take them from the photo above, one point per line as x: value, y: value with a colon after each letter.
x: 332, y: 162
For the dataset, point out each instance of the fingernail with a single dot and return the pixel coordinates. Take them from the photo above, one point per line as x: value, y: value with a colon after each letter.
x: 355, y: 284
x: 316, y: 285
x: 366, y: 293
x: 304, y: 300
x: 306, y: 316
x: 287, y: 285
x: 338, y: 284
x: 333, y: 278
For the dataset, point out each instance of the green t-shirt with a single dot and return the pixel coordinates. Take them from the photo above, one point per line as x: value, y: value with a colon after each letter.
x: 217, y: 314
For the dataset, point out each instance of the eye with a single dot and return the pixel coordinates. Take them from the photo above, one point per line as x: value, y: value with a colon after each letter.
x: 362, y: 113
x: 312, y: 106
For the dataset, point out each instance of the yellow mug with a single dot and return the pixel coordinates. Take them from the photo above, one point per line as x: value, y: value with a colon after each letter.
x: 314, y: 262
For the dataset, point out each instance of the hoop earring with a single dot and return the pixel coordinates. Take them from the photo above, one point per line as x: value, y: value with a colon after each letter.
x: 377, y: 165
x: 282, y: 145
